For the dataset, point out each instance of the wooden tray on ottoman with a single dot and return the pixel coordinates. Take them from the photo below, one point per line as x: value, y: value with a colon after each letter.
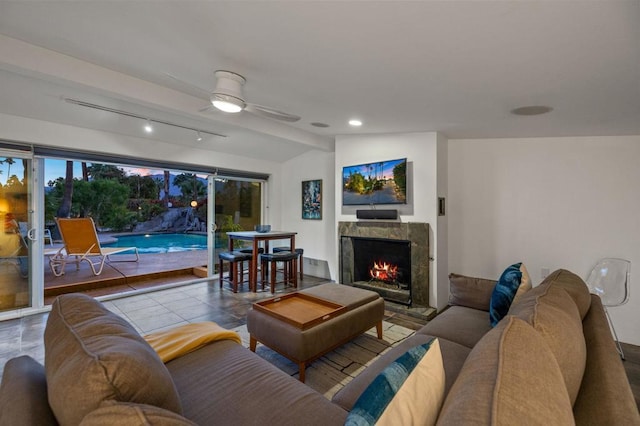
x: 300, y: 310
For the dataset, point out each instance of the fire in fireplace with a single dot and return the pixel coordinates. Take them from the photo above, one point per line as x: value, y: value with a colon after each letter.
x: 379, y: 264
x: 383, y: 271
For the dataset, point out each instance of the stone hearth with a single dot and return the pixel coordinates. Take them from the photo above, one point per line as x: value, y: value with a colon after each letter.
x: 416, y: 233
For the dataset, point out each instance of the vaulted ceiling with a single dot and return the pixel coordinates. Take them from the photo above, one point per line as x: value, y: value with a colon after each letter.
x: 456, y: 67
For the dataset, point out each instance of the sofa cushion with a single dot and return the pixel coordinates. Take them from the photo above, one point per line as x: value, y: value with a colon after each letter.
x: 504, y: 292
x: 574, y: 285
x: 23, y: 394
x: 510, y: 378
x: 553, y: 314
x: 93, y: 355
x: 459, y: 324
x: 130, y: 414
x: 391, y: 398
x: 470, y: 292
x: 251, y: 386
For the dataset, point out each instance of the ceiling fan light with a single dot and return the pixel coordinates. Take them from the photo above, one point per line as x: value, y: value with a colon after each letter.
x: 227, y: 103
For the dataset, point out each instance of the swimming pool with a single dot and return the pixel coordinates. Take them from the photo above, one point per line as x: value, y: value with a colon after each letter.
x: 161, y: 243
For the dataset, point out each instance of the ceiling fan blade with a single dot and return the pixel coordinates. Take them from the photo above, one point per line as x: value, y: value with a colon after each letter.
x: 271, y: 113
x: 186, y: 83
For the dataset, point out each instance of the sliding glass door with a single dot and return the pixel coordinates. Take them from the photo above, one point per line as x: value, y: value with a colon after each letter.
x: 16, y: 231
x: 124, y: 201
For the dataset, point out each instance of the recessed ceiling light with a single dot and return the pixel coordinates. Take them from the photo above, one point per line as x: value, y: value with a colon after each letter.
x: 147, y: 127
x: 355, y: 122
x: 316, y: 124
x: 531, y: 110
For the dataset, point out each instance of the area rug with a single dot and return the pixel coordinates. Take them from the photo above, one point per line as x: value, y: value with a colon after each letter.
x: 333, y: 371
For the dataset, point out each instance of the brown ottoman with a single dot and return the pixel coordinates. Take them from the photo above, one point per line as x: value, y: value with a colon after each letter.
x: 364, y: 310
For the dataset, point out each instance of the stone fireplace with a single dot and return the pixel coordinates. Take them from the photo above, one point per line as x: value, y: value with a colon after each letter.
x: 390, y: 258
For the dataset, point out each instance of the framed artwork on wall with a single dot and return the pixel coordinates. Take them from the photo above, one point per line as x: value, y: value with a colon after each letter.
x: 312, y: 199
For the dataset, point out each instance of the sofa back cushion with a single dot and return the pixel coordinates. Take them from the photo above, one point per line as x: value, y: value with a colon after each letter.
x: 92, y: 355
x: 510, y: 377
x: 553, y: 314
x: 470, y: 292
x: 574, y: 285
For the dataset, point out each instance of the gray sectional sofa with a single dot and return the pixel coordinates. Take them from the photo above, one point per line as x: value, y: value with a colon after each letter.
x: 551, y: 360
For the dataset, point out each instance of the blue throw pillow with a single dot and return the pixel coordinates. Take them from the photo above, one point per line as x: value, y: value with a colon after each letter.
x: 408, y: 391
x: 504, y: 292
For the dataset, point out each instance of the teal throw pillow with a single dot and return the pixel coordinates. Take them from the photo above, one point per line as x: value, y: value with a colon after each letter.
x: 408, y: 391
x: 504, y: 292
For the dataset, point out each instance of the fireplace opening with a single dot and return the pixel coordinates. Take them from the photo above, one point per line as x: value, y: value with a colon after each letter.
x: 379, y: 264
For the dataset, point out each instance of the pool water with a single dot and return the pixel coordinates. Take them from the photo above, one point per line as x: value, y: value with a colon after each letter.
x: 162, y: 243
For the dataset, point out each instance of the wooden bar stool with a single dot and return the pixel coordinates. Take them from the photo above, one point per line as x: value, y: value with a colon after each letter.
x: 236, y: 261
x: 250, y: 251
x: 289, y: 273
x: 300, y: 253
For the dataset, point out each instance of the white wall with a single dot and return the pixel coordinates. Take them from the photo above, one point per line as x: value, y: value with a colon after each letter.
x: 421, y: 151
x: 442, y: 261
x: 316, y: 237
x: 549, y: 202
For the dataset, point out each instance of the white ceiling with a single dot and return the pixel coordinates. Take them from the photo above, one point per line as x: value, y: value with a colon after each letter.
x: 456, y: 67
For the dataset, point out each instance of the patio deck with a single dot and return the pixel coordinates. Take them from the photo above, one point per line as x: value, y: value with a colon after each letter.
x: 124, y: 276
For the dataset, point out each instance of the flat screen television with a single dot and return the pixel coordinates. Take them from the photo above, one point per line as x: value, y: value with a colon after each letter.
x: 383, y: 182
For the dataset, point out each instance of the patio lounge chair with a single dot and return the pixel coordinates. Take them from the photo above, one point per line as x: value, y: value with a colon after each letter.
x: 81, y: 243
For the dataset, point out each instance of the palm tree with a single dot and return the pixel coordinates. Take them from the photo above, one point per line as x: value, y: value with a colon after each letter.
x: 65, y: 207
x: 25, y: 172
x: 167, y: 178
x: 9, y: 162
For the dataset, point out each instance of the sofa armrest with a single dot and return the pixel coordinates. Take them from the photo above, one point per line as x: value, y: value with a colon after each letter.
x: 470, y: 292
x: 605, y: 395
x: 23, y: 394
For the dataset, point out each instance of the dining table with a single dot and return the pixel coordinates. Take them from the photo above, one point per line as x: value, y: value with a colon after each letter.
x: 258, y: 238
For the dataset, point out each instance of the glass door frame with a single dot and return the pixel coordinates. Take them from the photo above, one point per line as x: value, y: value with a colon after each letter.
x: 211, y: 214
x: 211, y: 225
x: 34, y: 238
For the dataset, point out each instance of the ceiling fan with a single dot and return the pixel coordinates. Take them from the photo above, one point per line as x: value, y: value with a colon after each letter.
x: 228, y: 97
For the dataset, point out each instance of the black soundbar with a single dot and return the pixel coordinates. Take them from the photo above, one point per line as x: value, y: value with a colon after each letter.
x: 377, y: 214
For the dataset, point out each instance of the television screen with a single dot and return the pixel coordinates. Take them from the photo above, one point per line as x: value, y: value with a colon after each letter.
x: 384, y: 182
